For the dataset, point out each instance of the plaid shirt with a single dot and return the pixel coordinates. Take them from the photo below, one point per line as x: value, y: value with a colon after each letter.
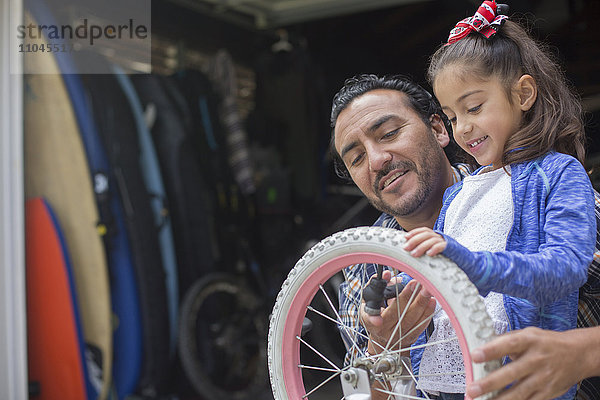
x: 356, y: 276
x: 589, y: 308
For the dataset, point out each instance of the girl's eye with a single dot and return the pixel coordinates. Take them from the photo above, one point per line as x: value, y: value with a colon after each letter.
x: 452, y: 120
x: 474, y: 109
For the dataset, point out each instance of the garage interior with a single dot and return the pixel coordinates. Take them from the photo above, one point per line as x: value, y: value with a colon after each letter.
x: 289, y: 58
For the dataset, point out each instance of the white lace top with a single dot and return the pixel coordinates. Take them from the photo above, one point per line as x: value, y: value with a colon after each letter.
x: 479, y: 218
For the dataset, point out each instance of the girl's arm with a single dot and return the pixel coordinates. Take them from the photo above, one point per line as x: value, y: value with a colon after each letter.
x: 541, y: 278
x: 560, y: 265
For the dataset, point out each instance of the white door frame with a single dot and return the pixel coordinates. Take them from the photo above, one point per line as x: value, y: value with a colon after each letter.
x: 13, y: 332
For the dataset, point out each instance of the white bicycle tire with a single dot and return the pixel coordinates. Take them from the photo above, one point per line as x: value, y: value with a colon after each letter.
x: 443, y: 278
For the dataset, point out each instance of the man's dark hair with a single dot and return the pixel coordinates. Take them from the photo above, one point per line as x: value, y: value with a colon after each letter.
x: 419, y: 99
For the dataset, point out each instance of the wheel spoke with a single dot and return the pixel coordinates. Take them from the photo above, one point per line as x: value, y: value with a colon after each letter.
x: 429, y: 375
x: 337, y: 315
x: 416, y: 327
x: 346, y: 328
x: 338, y: 323
x: 388, y: 386
x: 407, y: 368
x: 363, y: 282
x: 333, y: 308
x: 419, y: 346
x: 364, y: 279
x: 310, y: 367
x: 322, y: 384
x: 426, y: 321
x: 356, y: 333
x: 400, y: 317
x: 318, y: 353
x: 404, y: 396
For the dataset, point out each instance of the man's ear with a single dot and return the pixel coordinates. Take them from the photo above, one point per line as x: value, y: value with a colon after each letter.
x: 526, y: 91
x: 439, y: 130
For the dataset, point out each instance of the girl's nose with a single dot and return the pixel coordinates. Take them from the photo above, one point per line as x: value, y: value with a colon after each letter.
x: 462, y: 127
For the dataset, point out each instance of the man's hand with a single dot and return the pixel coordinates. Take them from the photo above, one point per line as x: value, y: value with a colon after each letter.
x: 424, y: 241
x: 545, y: 363
x: 381, y: 327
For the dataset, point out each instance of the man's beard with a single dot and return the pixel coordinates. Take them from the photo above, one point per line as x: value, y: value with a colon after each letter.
x: 410, y: 202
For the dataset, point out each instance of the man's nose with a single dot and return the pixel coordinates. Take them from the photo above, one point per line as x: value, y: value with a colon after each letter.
x: 379, y: 156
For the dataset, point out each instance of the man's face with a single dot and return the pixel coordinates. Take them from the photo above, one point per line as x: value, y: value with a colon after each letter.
x: 394, y: 158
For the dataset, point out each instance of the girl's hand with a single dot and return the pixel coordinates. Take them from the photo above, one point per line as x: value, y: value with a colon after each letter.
x: 424, y: 241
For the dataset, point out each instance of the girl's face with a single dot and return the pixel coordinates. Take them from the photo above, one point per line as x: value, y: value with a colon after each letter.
x: 481, y: 114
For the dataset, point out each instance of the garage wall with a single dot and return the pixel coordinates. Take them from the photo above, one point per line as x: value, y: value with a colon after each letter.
x: 13, y: 346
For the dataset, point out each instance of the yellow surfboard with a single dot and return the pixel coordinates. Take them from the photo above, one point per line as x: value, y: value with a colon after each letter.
x: 56, y: 168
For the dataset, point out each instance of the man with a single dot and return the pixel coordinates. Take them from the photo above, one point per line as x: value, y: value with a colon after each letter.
x: 389, y: 136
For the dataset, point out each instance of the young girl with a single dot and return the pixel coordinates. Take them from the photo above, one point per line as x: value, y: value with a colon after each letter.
x: 522, y: 226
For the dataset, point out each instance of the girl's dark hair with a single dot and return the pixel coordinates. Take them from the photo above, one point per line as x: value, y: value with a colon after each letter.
x: 555, y: 120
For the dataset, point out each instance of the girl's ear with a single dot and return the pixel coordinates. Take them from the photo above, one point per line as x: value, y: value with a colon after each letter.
x: 526, y: 91
x: 439, y: 130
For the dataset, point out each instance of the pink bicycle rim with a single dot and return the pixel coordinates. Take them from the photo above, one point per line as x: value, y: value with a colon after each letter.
x: 290, y: 351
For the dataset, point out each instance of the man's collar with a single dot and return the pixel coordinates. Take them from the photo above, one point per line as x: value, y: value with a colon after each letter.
x: 387, y: 221
x: 460, y: 171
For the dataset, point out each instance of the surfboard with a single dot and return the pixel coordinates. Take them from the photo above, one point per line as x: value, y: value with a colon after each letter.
x: 55, y: 350
x: 191, y: 207
x: 116, y: 127
x: 127, y: 338
x: 56, y: 168
x: 154, y: 183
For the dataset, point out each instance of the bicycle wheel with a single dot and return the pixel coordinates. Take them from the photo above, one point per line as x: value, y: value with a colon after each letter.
x: 222, y: 339
x: 291, y: 367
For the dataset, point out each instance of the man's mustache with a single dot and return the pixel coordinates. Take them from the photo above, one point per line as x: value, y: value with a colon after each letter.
x: 407, y: 165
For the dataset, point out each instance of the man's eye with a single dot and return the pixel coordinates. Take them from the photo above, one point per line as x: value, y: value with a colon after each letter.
x: 356, y: 159
x: 390, y: 134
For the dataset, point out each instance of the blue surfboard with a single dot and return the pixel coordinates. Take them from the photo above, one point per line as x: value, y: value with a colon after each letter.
x: 116, y: 126
x: 154, y: 184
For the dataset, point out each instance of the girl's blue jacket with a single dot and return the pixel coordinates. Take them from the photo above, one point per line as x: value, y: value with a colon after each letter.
x: 549, y: 246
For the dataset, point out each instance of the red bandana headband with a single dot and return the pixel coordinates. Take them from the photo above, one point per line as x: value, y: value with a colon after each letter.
x: 486, y: 21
